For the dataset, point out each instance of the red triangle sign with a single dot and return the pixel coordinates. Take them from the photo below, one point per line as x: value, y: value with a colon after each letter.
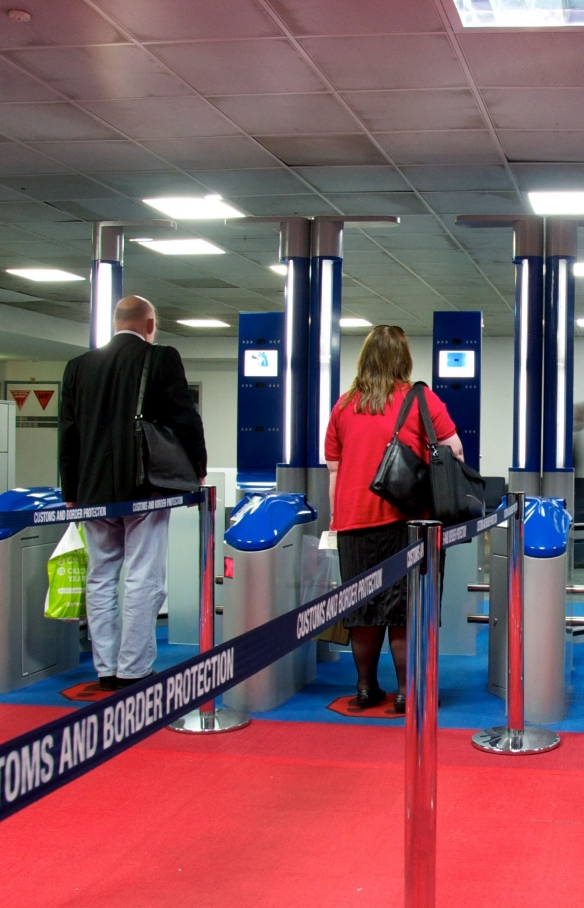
x: 43, y: 397
x: 20, y: 398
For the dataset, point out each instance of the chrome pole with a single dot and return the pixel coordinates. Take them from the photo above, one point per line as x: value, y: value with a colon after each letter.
x: 515, y: 738
x: 207, y: 718
x: 421, y: 717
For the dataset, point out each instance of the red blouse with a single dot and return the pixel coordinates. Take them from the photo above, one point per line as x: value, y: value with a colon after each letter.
x: 358, y: 441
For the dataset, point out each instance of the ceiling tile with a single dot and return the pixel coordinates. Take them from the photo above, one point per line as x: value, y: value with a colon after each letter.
x: 522, y: 59
x: 18, y: 212
x: 365, y: 203
x: 323, y: 150
x: 63, y: 22
x: 474, y: 202
x: 18, y: 159
x: 536, y: 108
x: 353, y: 179
x: 54, y: 187
x: 91, y: 156
x: 306, y: 205
x: 441, y: 147
x: 272, y: 115
x: 241, y: 67
x: 109, y: 71
x: 459, y: 178
x: 35, y: 122
x: 149, y: 20
x: 210, y: 153
x: 550, y: 176
x: 159, y: 118
x: 387, y: 61
x: 345, y: 17
x: 385, y: 111
x: 17, y: 86
x: 543, y: 145
x: 149, y: 185
x: 275, y: 181
x: 106, y: 209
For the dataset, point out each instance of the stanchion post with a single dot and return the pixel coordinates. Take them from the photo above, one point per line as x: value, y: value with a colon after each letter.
x: 515, y: 738
x: 421, y: 717
x: 207, y: 718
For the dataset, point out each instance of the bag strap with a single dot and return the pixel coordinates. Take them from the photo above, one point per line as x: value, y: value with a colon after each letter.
x: 138, y: 428
x: 407, y: 406
x: 425, y: 414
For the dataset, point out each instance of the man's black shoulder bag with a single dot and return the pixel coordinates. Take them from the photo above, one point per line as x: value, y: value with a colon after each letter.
x: 160, y: 456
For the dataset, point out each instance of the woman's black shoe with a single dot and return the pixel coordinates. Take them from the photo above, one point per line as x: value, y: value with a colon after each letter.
x: 367, y: 698
x: 399, y: 704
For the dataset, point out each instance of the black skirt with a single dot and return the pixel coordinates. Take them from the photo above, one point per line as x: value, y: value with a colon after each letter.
x: 362, y: 549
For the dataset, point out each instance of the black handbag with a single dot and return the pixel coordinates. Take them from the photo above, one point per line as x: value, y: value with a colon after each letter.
x: 160, y: 456
x: 457, y: 491
x: 402, y: 476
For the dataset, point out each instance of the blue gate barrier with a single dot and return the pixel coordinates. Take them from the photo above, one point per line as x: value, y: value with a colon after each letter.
x: 42, y: 760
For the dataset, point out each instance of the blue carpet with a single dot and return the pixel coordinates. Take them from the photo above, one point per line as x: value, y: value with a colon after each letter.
x: 463, y: 694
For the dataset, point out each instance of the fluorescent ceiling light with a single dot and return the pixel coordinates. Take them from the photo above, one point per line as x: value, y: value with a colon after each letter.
x: 578, y: 269
x: 182, y: 247
x: 557, y: 202
x: 202, y: 323
x: 44, y: 274
x: 194, y: 208
x: 354, y: 323
x: 580, y: 322
x: 519, y: 13
x: 280, y: 269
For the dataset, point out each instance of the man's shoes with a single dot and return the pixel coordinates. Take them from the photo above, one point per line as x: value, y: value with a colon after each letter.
x: 108, y: 682
x: 121, y: 683
x: 399, y: 704
x: 368, y: 698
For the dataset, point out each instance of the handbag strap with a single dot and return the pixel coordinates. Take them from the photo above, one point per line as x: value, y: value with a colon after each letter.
x: 407, y: 406
x: 138, y: 419
x: 143, y: 380
x: 425, y: 414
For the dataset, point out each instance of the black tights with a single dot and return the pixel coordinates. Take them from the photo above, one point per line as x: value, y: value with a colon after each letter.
x: 366, y: 643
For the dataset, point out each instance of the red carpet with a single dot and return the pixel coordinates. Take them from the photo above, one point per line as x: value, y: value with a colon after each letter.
x: 290, y: 815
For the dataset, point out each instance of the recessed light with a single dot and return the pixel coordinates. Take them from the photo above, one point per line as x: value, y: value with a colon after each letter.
x: 280, y: 269
x: 557, y: 202
x: 578, y: 269
x: 182, y: 247
x: 580, y: 322
x: 194, y: 208
x: 44, y: 274
x: 202, y: 323
x: 514, y: 14
x: 354, y: 323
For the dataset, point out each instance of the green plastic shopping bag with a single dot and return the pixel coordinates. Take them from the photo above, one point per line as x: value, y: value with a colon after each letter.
x: 67, y: 570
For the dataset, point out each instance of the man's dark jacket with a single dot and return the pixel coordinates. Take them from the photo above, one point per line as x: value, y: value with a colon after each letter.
x: 97, y: 453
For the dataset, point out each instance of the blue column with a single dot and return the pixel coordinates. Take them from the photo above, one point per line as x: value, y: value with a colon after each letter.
x: 324, y: 351
x: 106, y: 281
x: 527, y: 386
x: 561, y: 245
x: 295, y: 251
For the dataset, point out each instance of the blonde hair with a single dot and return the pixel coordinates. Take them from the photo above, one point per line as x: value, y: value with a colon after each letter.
x: 385, y: 360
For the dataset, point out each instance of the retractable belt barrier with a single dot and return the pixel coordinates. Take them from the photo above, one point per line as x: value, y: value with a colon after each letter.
x: 42, y: 760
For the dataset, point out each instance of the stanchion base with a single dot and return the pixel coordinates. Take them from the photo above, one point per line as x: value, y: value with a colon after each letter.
x: 196, y: 723
x: 503, y: 740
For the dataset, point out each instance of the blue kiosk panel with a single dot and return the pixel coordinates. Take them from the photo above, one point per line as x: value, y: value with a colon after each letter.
x: 456, y: 374
x: 260, y: 398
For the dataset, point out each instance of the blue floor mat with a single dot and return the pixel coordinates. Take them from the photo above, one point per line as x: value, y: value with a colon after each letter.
x: 465, y: 702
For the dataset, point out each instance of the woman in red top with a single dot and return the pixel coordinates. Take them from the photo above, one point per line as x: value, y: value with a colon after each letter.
x: 370, y: 529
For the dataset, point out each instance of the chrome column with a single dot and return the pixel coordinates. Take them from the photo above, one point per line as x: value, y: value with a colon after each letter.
x: 515, y: 738
x: 421, y: 717
x: 207, y: 718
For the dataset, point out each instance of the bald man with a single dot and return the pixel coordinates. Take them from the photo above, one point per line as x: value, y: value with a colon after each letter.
x: 98, y: 463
